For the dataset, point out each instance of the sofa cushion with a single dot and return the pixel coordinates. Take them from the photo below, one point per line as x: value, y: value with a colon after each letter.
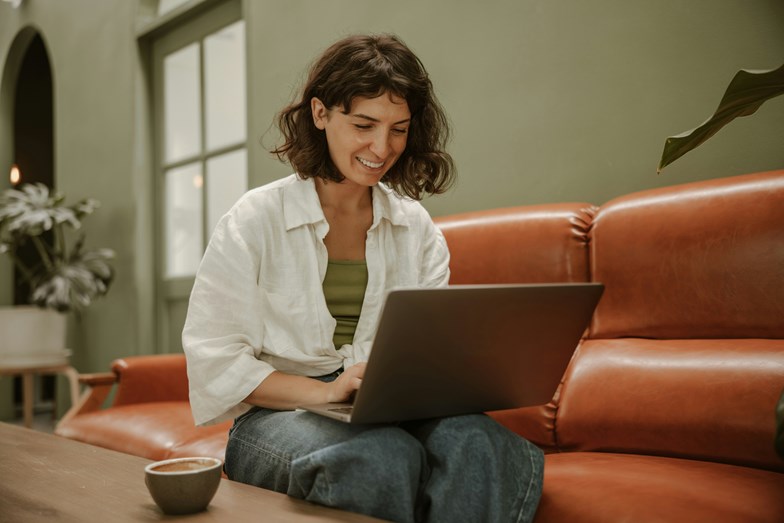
x: 596, y: 487
x: 700, y: 260
x: 527, y: 244
x: 702, y: 399
x: 153, y: 430
x: 536, y: 424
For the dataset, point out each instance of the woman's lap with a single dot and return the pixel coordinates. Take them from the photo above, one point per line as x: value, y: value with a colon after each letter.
x: 263, y: 441
x: 432, y: 463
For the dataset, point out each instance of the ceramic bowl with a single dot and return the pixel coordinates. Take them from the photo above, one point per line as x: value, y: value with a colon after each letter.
x: 183, y: 485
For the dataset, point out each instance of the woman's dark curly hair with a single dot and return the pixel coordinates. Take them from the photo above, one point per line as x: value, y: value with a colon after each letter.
x: 369, y: 66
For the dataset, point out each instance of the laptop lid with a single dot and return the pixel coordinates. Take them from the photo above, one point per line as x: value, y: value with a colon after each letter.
x: 470, y: 348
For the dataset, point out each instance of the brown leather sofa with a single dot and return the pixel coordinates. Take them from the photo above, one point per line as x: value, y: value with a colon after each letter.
x: 667, y: 411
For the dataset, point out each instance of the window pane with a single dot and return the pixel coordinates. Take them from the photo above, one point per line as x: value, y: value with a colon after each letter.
x: 227, y: 180
x: 182, y: 113
x: 183, y: 220
x: 224, y: 85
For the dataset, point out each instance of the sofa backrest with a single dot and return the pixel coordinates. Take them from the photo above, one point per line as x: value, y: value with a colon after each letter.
x: 527, y: 244
x: 701, y: 260
x: 686, y: 349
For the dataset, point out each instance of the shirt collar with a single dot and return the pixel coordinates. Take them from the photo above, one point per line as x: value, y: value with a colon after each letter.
x: 387, y: 204
x: 301, y: 205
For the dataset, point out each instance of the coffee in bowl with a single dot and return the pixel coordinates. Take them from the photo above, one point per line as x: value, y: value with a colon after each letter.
x: 187, y: 464
x: 183, y: 485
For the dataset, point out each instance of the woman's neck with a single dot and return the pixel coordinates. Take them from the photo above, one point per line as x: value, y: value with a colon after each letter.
x: 343, y: 197
x: 348, y: 209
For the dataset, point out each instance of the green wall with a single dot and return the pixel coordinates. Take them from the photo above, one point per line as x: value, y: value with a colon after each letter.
x: 550, y: 101
x: 553, y: 100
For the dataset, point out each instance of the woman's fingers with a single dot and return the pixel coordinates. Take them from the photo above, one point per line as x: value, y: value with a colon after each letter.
x: 348, y: 382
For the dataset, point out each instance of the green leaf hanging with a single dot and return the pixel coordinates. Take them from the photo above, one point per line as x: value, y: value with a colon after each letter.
x: 747, y: 91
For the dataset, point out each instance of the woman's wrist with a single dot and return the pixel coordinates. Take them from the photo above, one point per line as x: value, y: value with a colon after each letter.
x: 282, y: 391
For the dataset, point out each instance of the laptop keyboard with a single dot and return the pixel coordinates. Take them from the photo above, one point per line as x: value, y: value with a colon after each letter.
x: 342, y: 410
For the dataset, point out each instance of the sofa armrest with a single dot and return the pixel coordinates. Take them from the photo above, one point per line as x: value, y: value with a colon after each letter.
x: 97, y: 389
x: 142, y: 379
x: 98, y: 379
x: 138, y: 379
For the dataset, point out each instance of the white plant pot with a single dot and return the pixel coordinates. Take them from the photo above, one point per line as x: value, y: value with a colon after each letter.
x: 32, y: 337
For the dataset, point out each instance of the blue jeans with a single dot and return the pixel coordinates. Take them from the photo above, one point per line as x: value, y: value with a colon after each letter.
x: 454, y: 469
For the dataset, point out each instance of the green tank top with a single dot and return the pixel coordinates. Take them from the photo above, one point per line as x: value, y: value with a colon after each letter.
x: 344, y: 289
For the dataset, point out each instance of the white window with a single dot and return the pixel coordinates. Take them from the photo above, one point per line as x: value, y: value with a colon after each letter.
x: 199, y: 101
x: 202, y: 128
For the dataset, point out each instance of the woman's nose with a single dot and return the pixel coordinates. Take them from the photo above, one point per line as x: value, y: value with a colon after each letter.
x: 380, y: 144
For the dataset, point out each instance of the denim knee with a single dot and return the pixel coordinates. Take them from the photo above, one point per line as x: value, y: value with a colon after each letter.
x: 377, y: 472
x: 498, y: 472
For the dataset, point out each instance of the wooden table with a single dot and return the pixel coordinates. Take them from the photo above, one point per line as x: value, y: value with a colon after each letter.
x: 49, y: 478
x: 28, y: 372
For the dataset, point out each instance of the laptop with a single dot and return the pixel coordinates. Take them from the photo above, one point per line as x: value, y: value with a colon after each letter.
x: 466, y: 349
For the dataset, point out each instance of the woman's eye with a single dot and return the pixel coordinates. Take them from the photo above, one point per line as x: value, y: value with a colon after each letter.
x: 362, y: 127
x: 399, y: 131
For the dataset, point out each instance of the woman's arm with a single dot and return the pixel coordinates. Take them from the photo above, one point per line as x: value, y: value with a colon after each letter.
x: 282, y: 391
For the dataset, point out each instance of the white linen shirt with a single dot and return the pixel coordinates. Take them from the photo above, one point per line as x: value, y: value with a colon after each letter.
x: 258, y: 304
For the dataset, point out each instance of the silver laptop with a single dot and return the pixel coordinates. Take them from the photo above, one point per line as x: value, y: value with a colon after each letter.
x: 468, y: 348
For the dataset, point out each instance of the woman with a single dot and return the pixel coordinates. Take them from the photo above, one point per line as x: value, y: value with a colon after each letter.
x: 290, y: 289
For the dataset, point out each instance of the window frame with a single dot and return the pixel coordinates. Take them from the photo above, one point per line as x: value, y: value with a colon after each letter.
x: 194, y: 29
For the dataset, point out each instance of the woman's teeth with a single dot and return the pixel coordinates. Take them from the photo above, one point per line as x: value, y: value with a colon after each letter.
x: 367, y: 163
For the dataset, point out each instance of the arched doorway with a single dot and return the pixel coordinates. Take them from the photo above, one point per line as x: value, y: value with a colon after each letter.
x: 33, y: 132
x: 26, y: 143
x: 26, y: 127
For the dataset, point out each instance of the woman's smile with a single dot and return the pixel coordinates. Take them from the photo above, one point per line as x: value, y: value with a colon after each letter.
x: 369, y: 164
x: 366, y: 139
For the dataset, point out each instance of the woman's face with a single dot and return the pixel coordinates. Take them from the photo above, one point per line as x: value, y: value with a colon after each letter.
x: 366, y: 140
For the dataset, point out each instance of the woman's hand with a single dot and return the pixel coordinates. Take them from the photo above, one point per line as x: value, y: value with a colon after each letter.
x: 346, y: 384
x: 282, y: 391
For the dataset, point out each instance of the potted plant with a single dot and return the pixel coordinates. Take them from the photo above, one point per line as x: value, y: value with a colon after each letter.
x: 63, y: 276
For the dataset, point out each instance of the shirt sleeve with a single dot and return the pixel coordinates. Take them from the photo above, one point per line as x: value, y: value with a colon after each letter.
x: 223, y: 329
x: 434, y: 260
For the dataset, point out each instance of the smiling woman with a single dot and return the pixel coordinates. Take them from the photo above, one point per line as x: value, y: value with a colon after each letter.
x: 365, y: 140
x: 365, y: 68
x: 287, y: 298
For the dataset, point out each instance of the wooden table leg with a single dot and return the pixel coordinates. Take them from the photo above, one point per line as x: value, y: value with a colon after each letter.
x: 28, y: 392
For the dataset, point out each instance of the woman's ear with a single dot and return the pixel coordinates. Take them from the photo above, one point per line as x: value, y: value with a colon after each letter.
x: 320, y: 113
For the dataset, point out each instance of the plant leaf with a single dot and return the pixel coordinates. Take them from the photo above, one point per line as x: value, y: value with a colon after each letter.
x: 32, y: 210
x: 747, y: 91
x: 62, y: 279
x: 75, y: 285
